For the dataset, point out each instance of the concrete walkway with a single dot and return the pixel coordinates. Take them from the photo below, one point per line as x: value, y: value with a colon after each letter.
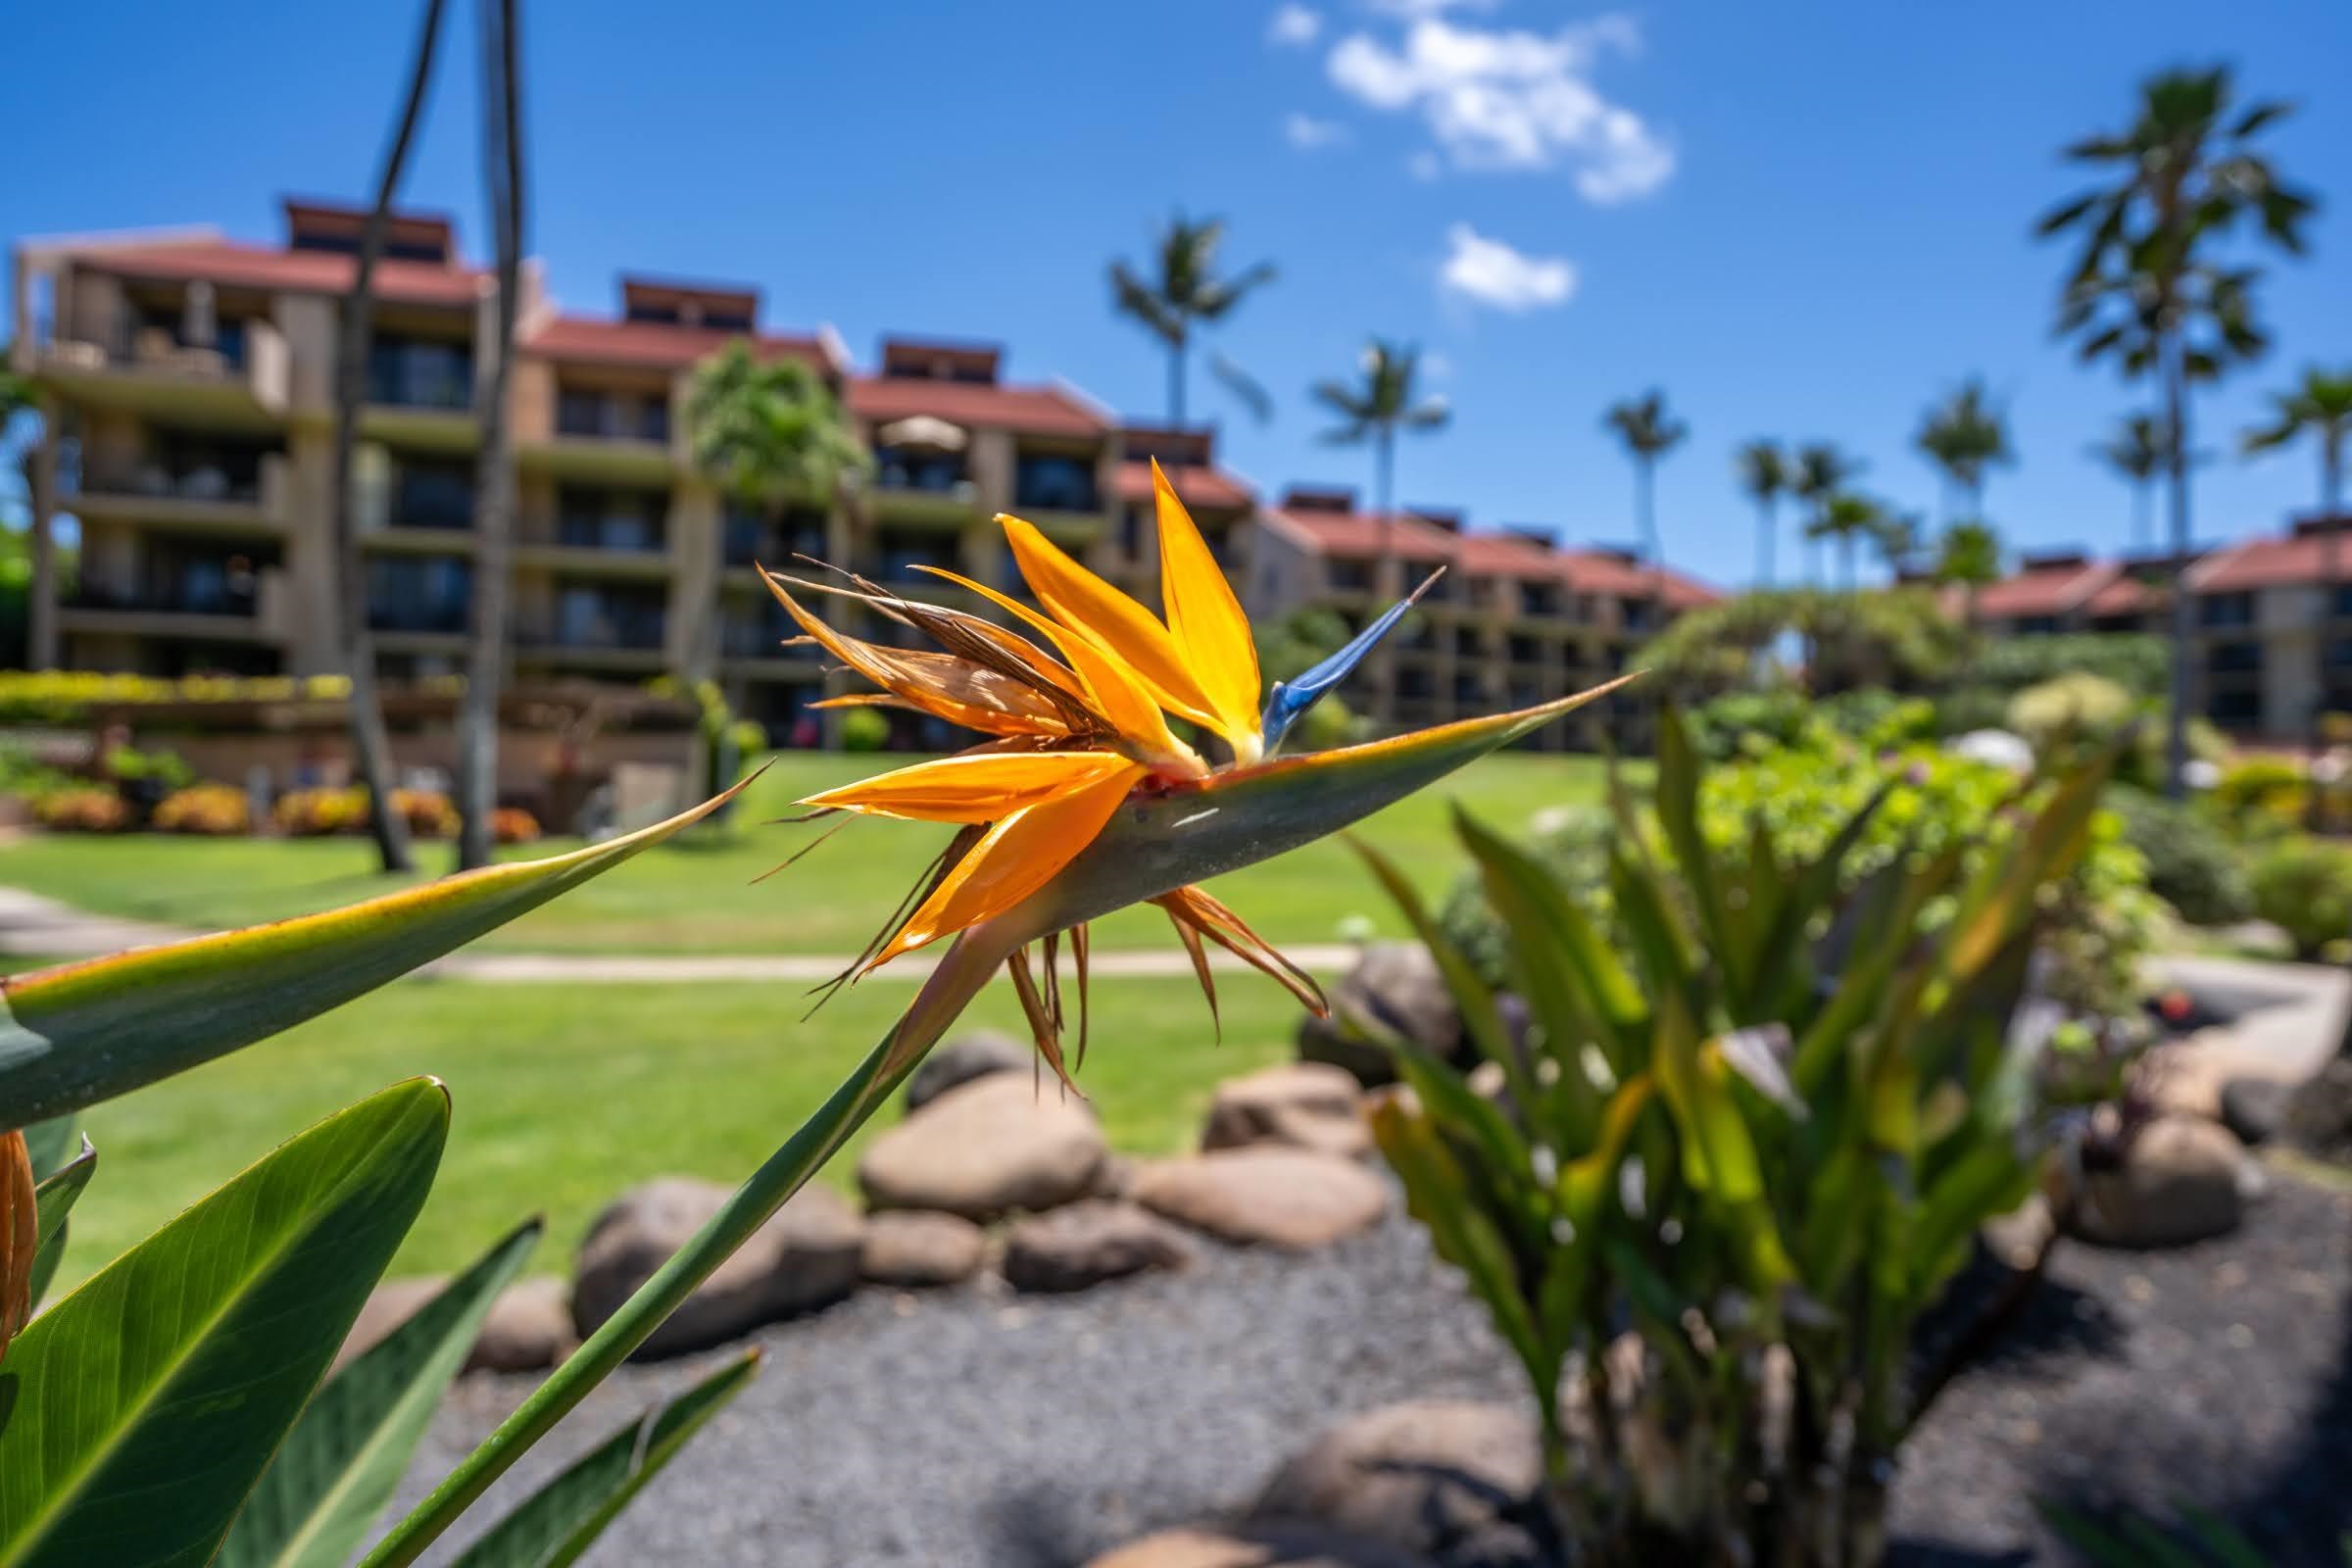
x: 33, y: 926
x: 2288, y: 1021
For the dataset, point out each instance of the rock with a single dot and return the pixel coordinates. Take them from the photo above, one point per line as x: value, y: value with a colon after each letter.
x: 2255, y: 1108
x: 1087, y: 1242
x: 2177, y: 1183
x: 528, y: 1327
x: 389, y: 1306
x: 988, y: 1147
x: 1283, y: 1197
x: 1395, y: 984
x: 2020, y: 1238
x: 916, y: 1248
x: 1448, y: 1479
x: 1262, y: 1546
x: 2319, y: 1113
x: 806, y: 1256
x: 960, y: 1060
x: 1304, y: 1104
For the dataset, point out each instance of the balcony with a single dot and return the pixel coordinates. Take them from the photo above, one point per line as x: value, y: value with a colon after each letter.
x: 244, y: 607
x: 420, y: 393
x: 759, y: 640
x: 238, y: 381
x: 749, y: 539
x: 621, y: 535
x: 227, y: 498
x: 606, y: 633
x: 611, y: 436
x: 923, y: 489
x: 1058, y: 492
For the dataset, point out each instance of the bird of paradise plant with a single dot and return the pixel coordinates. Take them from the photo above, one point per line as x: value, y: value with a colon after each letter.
x: 1082, y: 798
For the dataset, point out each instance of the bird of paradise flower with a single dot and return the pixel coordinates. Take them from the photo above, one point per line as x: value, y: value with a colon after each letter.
x: 1083, y: 799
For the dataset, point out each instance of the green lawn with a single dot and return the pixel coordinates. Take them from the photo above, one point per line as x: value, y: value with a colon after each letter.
x: 564, y: 1094
x: 698, y: 897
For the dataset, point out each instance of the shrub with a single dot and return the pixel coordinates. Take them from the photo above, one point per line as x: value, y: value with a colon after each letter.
x: 68, y: 697
x: 316, y: 813
x: 158, y: 770
x: 2303, y: 887
x: 862, y: 729
x: 429, y: 814
x: 82, y: 809
x: 512, y: 824
x: 2139, y: 664
x: 2191, y: 866
x: 2261, y: 797
x: 219, y: 809
x: 2070, y: 717
x: 1330, y: 723
x: 1713, y: 1157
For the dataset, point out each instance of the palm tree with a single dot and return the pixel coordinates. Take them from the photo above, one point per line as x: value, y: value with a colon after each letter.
x: 494, y: 483
x: 2321, y: 404
x: 2138, y: 451
x: 1765, y: 473
x: 371, y: 745
x: 2146, y: 289
x: 1896, y: 539
x: 1963, y: 436
x: 20, y: 412
x: 1970, y: 557
x: 1822, y: 473
x: 1849, y: 518
x: 1187, y: 294
x: 1374, y: 409
x: 1649, y: 432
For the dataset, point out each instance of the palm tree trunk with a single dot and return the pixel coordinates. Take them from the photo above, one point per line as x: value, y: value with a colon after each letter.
x: 371, y: 745
x: 1767, y: 529
x: 40, y: 491
x: 2176, y: 727
x: 494, y: 487
x: 1384, y: 571
x: 1176, y: 374
x: 2143, y: 496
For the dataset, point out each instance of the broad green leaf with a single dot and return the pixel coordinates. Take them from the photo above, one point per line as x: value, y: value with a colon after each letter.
x: 2000, y: 900
x: 55, y: 1195
x: 560, y: 1520
x: 143, y: 1406
x: 84, y: 1032
x: 339, y: 1465
x: 1677, y: 804
x: 2228, y: 1548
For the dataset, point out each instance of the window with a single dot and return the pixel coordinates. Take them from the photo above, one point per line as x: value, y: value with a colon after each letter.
x: 900, y: 468
x: 2234, y: 658
x: 1525, y: 650
x: 420, y: 593
x: 1131, y: 531
x: 433, y: 493
x: 611, y: 520
x: 1540, y: 599
x: 1048, y: 481
x: 1635, y: 613
x: 2235, y: 705
x: 606, y: 616
x: 419, y: 373
x: 751, y: 537
x: 1348, y: 575
x: 2037, y: 626
x: 2226, y: 609
x: 2342, y: 600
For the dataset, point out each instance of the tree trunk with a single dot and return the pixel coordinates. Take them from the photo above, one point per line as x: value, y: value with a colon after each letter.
x: 2144, y: 532
x: 371, y: 745
x: 1176, y: 374
x: 1767, y: 530
x: 1384, y: 571
x: 494, y: 485
x: 40, y: 493
x: 2330, y: 569
x: 2176, y: 726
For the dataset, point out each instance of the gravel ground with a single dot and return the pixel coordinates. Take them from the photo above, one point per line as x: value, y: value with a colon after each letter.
x: 970, y: 1427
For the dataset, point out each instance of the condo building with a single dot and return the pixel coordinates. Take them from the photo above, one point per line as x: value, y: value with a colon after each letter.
x: 187, y: 384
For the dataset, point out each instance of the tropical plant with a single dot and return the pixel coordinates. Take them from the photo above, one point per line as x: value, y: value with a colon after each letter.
x: 1731, y: 1173
x: 1765, y: 476
x: 1896, y: 539
x: 2138, y: 451
x: 2148, y: 289
x: 2303, y: 887
x: 1965, y: 435
x: 862, y: 729
x: 2135, y: 661
x: 1386, y: 401
x: 173, y: 1402
x: 1185, y: 294
x: 25, y: 446
x: 2191, y: 866
x: 2319, y: 405
x: 2133, y: 1540
x: 1849, y: 518
x: 1822, y: 473
x: 371, y: 741
x: 2260, y: 797
x: 494, y: 478
x: 1649, y: 432
x: 1968, y: 558
x: 1901, y: 638
x: 769, y: 432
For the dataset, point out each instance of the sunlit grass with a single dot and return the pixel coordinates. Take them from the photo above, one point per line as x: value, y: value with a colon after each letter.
x: 698, y: 897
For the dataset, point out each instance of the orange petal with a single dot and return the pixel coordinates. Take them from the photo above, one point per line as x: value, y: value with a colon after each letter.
x: 1211, y: 634
x: 976, y: 787
x: 954, y: 689
x: 1109, y: 619
x: 1196, y: 906
x: 1114, y: 690
x: 1018, y: 855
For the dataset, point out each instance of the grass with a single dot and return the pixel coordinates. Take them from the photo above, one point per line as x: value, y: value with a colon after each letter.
x: 698, y: 897
x: 563, y: 1096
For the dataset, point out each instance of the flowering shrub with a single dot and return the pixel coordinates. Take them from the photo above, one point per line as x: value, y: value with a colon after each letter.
x: 316, y: 813
x: 82, y: 809
x: 217, y: 810
x: 512, y: 824
x: 429, y: 814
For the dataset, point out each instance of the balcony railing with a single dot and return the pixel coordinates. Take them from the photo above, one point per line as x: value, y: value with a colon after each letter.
x: 409, y: 616
x: 432, y: 376
x: 244, y: 483
x: 748, y: 639
x: 622, y: 533
x: 613, y: 419
x: 188, y: 597
x: 244, y: 356
x: 934, y: 476
x: 615, y: 628
x: 749, y: 541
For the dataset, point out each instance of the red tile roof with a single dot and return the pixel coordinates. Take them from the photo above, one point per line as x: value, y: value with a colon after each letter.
x: 1353, y: 533
x: 2274, y: 562
x: 663, y: 345
x: 2054, y: 590
x: 1209, y: 489
x: 221, y: 260
x: 2126, y: 596
x: 1026, y: 409
x: 1605, y: 572
x: 1503, y: 555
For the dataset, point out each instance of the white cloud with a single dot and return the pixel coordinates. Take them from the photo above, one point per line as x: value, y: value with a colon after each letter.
x: 1512, y: 100
x: 1415, y: 10
x: 1294, y: 24
x: 1489, y: 271
x: 1307, y: 133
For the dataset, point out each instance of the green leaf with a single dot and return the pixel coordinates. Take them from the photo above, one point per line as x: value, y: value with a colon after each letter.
x: 142, y: 1407
x: 339, y: 1465
x: 560, y: 1520
x: 1677, y: 804
x: 51, y: 1144
x: 80, y: 1033
x: 54, y: 1199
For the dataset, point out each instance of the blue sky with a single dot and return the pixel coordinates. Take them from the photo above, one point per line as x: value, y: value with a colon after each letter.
x: 1803, y: 219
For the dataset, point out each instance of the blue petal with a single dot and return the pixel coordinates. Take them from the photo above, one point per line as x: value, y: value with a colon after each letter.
x: 1292, y: 698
